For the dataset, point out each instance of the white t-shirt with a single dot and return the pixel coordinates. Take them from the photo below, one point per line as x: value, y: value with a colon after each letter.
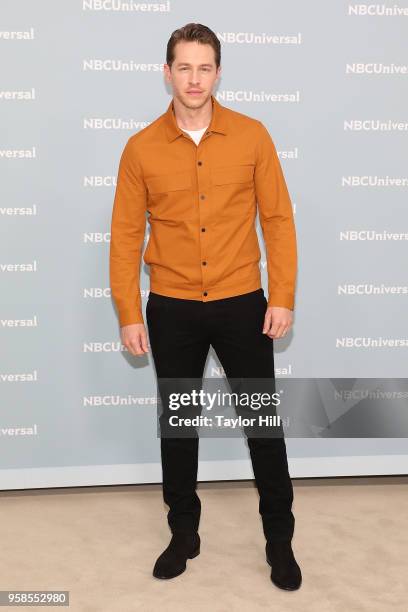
x: 196, y: 134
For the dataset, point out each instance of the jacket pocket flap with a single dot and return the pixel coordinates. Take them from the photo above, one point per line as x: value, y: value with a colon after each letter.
x: 168, y: 182
x: 232, y: 174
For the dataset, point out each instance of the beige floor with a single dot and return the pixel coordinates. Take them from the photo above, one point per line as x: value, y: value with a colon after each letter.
x: 351, y: 541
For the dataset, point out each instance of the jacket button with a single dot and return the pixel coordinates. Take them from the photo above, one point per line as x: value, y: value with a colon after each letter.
x: 202, y: 196
x: 200, y: 163
x: 204, y: 263
x: 205, y: 293
x: 203, y: 229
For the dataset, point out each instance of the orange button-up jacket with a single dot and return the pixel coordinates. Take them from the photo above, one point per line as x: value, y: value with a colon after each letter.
x: 201, y: 204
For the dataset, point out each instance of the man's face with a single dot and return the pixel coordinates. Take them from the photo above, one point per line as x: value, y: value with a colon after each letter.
x: 193, y: 73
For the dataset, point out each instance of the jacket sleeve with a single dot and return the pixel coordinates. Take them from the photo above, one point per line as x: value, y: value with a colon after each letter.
x: 127, y: 237
x: 277, y: 222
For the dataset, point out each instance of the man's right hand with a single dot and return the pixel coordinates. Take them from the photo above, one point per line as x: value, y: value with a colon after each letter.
x: 134, y: 337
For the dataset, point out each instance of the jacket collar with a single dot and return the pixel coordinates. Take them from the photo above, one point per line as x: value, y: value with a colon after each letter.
x: 218, y: 121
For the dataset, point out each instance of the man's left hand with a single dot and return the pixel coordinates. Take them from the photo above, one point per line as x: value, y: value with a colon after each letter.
x: 278, y: 321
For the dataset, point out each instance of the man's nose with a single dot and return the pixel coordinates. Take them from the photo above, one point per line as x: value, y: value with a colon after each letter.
x: 195, y: 78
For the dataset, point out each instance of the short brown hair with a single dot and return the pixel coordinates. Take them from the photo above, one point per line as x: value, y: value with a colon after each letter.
x: 194, y: 32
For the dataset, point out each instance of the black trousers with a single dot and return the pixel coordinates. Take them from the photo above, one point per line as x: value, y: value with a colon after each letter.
x: 180, y: 333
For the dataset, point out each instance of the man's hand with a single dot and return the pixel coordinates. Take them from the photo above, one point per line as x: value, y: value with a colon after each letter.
x: 134, y: 337
x: 278, y: 320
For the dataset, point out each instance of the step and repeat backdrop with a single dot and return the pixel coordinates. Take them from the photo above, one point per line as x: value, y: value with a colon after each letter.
x: 78, y: 78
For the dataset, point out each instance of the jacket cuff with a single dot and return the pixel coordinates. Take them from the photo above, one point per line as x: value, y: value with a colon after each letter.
x: 127, y: 317
x: 286, y: 300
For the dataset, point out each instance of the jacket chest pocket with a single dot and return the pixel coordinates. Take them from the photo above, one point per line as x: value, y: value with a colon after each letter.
x: 233, y: 187
x: 170, y: 196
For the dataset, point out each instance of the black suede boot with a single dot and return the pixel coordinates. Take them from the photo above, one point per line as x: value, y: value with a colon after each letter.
x: 286, y: 572
x: 172, y: 561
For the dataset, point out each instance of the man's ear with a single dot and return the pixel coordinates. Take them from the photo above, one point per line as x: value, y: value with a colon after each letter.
x: 166, y: 69
x: 218, y: 75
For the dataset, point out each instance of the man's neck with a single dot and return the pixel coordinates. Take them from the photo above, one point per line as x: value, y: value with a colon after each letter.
x: 192, y: 118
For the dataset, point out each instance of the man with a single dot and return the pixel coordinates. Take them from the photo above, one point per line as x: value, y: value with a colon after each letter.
x: 199, y: 170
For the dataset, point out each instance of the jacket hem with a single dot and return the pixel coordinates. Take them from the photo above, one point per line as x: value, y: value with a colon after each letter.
x: 213, y: 293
